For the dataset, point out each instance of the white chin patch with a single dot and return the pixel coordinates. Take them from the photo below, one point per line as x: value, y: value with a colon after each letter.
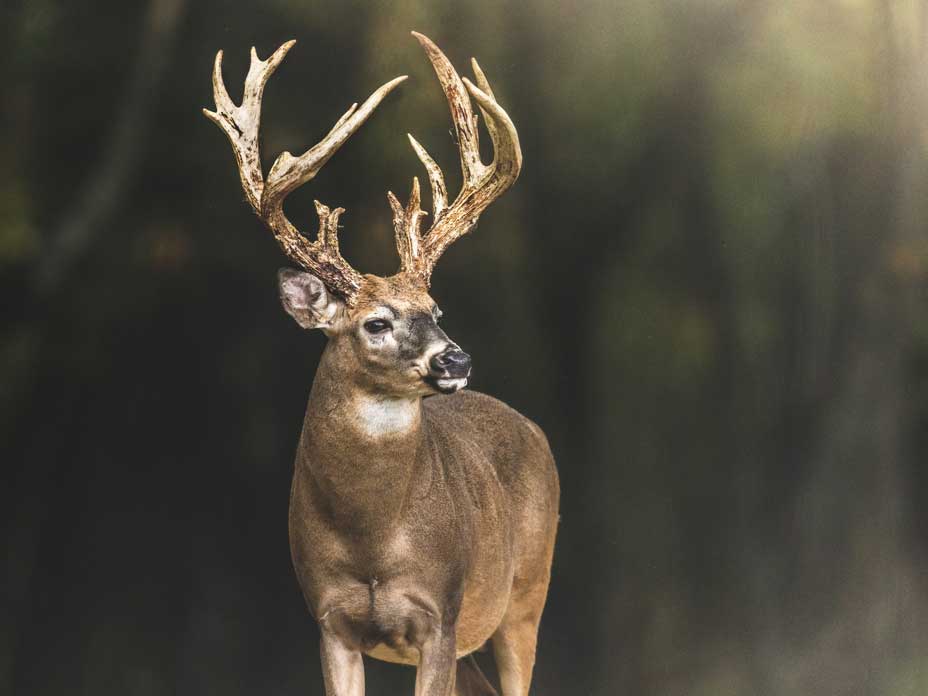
x: 451, y: 385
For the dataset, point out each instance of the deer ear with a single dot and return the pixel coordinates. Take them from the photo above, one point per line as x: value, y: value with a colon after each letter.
x: 306, y: 299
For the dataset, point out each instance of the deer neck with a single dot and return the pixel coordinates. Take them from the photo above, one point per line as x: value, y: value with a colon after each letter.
x: 361, y: 448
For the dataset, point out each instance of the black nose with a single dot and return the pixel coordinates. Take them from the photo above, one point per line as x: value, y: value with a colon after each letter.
x: 452, y: 362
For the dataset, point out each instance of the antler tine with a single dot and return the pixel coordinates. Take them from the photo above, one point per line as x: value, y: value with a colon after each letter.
x: 484, y: 86
x: 465, y: 125
x: 241, y: 125
x: 436, y: 179
x: 507, y: 152
x: 406, y: 223
x: 328, y: 226
x: 482, y: 183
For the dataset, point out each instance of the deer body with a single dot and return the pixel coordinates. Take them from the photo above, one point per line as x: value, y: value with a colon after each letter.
x: 418, y: 530
x: 422, y: 518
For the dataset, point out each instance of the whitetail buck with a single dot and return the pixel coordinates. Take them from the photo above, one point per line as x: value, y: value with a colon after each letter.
x: 420, y: 528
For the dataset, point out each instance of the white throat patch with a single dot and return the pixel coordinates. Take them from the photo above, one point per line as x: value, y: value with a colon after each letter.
x: 381, y: 416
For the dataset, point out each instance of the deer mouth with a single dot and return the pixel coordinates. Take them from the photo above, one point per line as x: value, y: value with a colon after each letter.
x: 446, y: 384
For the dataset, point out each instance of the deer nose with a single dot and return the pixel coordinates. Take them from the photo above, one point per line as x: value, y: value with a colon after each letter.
x: 452, y: 362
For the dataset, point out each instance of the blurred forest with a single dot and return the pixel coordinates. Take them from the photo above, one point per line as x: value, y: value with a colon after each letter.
x: 709, y: 287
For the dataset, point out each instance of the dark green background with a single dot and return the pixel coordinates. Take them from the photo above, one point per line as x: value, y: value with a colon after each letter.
x: 708, y: 287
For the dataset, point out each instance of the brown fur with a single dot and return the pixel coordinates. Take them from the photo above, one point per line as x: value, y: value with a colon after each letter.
x: 419, y: 544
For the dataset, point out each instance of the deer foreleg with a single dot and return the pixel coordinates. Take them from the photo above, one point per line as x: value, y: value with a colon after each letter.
x: 437, y: 664
x: 342, y: 667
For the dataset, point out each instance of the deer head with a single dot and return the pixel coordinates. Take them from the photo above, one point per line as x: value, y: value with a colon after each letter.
x: 384, y: 330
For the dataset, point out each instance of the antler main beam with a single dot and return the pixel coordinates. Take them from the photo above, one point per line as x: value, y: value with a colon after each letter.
x: 241, y: 124
x: 483, y: 184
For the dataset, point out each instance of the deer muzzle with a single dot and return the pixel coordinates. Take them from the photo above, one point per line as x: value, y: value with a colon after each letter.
x: 449, y: 370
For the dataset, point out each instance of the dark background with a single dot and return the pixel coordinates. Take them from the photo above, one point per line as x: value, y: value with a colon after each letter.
x: 708, y: 287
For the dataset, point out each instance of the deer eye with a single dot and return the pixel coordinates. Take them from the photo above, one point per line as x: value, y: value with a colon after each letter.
x: 377, y: 326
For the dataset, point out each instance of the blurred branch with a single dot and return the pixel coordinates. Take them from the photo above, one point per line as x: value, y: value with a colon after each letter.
x: 105, y: 187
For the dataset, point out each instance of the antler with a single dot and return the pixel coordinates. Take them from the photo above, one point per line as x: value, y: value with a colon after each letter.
x: 483, y: 184
x: 241, y: 125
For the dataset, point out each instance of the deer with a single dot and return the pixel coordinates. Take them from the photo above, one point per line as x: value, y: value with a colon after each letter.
x: 422, y: 515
